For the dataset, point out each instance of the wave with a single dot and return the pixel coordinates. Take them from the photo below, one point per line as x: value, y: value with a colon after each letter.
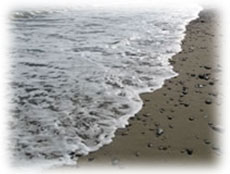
x: 77, y: 76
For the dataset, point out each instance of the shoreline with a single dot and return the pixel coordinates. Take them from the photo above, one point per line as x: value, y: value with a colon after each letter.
x: 177, y: 122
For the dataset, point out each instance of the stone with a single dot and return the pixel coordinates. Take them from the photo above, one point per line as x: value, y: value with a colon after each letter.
x: 159, y: 132
x: 208, y: 101
x: 137, y: 154
x: 189, y: 151
x: 90, y: 159
x: 150, y: 145
x: 204, y: 76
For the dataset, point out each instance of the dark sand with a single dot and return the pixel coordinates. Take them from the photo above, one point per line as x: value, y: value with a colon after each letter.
x: 179, y: 122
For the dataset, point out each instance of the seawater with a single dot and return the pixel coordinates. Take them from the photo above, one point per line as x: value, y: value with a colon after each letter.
x: 76, y: 75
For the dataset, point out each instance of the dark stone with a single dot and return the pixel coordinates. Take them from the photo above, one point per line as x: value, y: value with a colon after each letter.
x: 162, y: 110
x: 207, y: 141
x: 137, y: 154
x: 160, y: 147
x: 204, y: 76
x: 124, y: 133
x: 90, y: 159
x: 186, y: 105
x: 208, y: 101
x: 211, y: 83
x: 207, y: 67
x: 189, y: 151
x: 202, y: 21
x: 146, y: 115
x: 150, y: 145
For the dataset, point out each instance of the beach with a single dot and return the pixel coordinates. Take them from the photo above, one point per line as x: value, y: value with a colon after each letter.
x: 180, y: 122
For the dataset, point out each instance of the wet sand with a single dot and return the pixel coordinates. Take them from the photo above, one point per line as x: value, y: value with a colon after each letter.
x: 179, y: 123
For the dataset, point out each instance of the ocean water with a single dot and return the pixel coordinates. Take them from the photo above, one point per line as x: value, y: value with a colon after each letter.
x: 76, y: 75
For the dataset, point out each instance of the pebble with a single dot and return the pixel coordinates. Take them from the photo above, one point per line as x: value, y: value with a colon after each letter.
x: 211, y: 83
x: 159, y: 132
x: 137, y: 154
x: 202, y: 21
x: 208, y: 101
x: 191, y: 118
x: 216, y: 128
x: 161, y: 110
x: 199, y: 86
x: 186, y: 105
x: 162, y: 147
x: 115, y: 161
x: 146, y: 115
x: 189, y: 151
x: 216, y: 148
x: 90, y: 159
x: 204, y: 76
x: 207, y: 67
x: 124, y: 133
x: 150, y: 145
x: 206, y: 141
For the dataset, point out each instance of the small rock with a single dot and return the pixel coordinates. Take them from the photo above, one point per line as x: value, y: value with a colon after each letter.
x: 202, y: 21
x: 186, y: 105
x: 162, y: 110
x: 146, y: 115
x: 137, y: 154
x: 207, y: 67
x: 217, y: 149
x: 204, y: 76
x: 208, y: 101
x: 150, y: 145
x: 189, y: 151
x: 159, y: 132
x: 115, y: 161
x: 124, y: 133
x: 211, y: 83
x: 162, y: 147
x: 206, y: 141
x: 90, y: 159
x: 191, y: 118
x: 169, y: 117
x: 216, y: 128
x: 185, y: 92
x: 199, y: 86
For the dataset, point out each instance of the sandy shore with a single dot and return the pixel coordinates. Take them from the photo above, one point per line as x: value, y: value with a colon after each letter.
x: 179, y: 122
